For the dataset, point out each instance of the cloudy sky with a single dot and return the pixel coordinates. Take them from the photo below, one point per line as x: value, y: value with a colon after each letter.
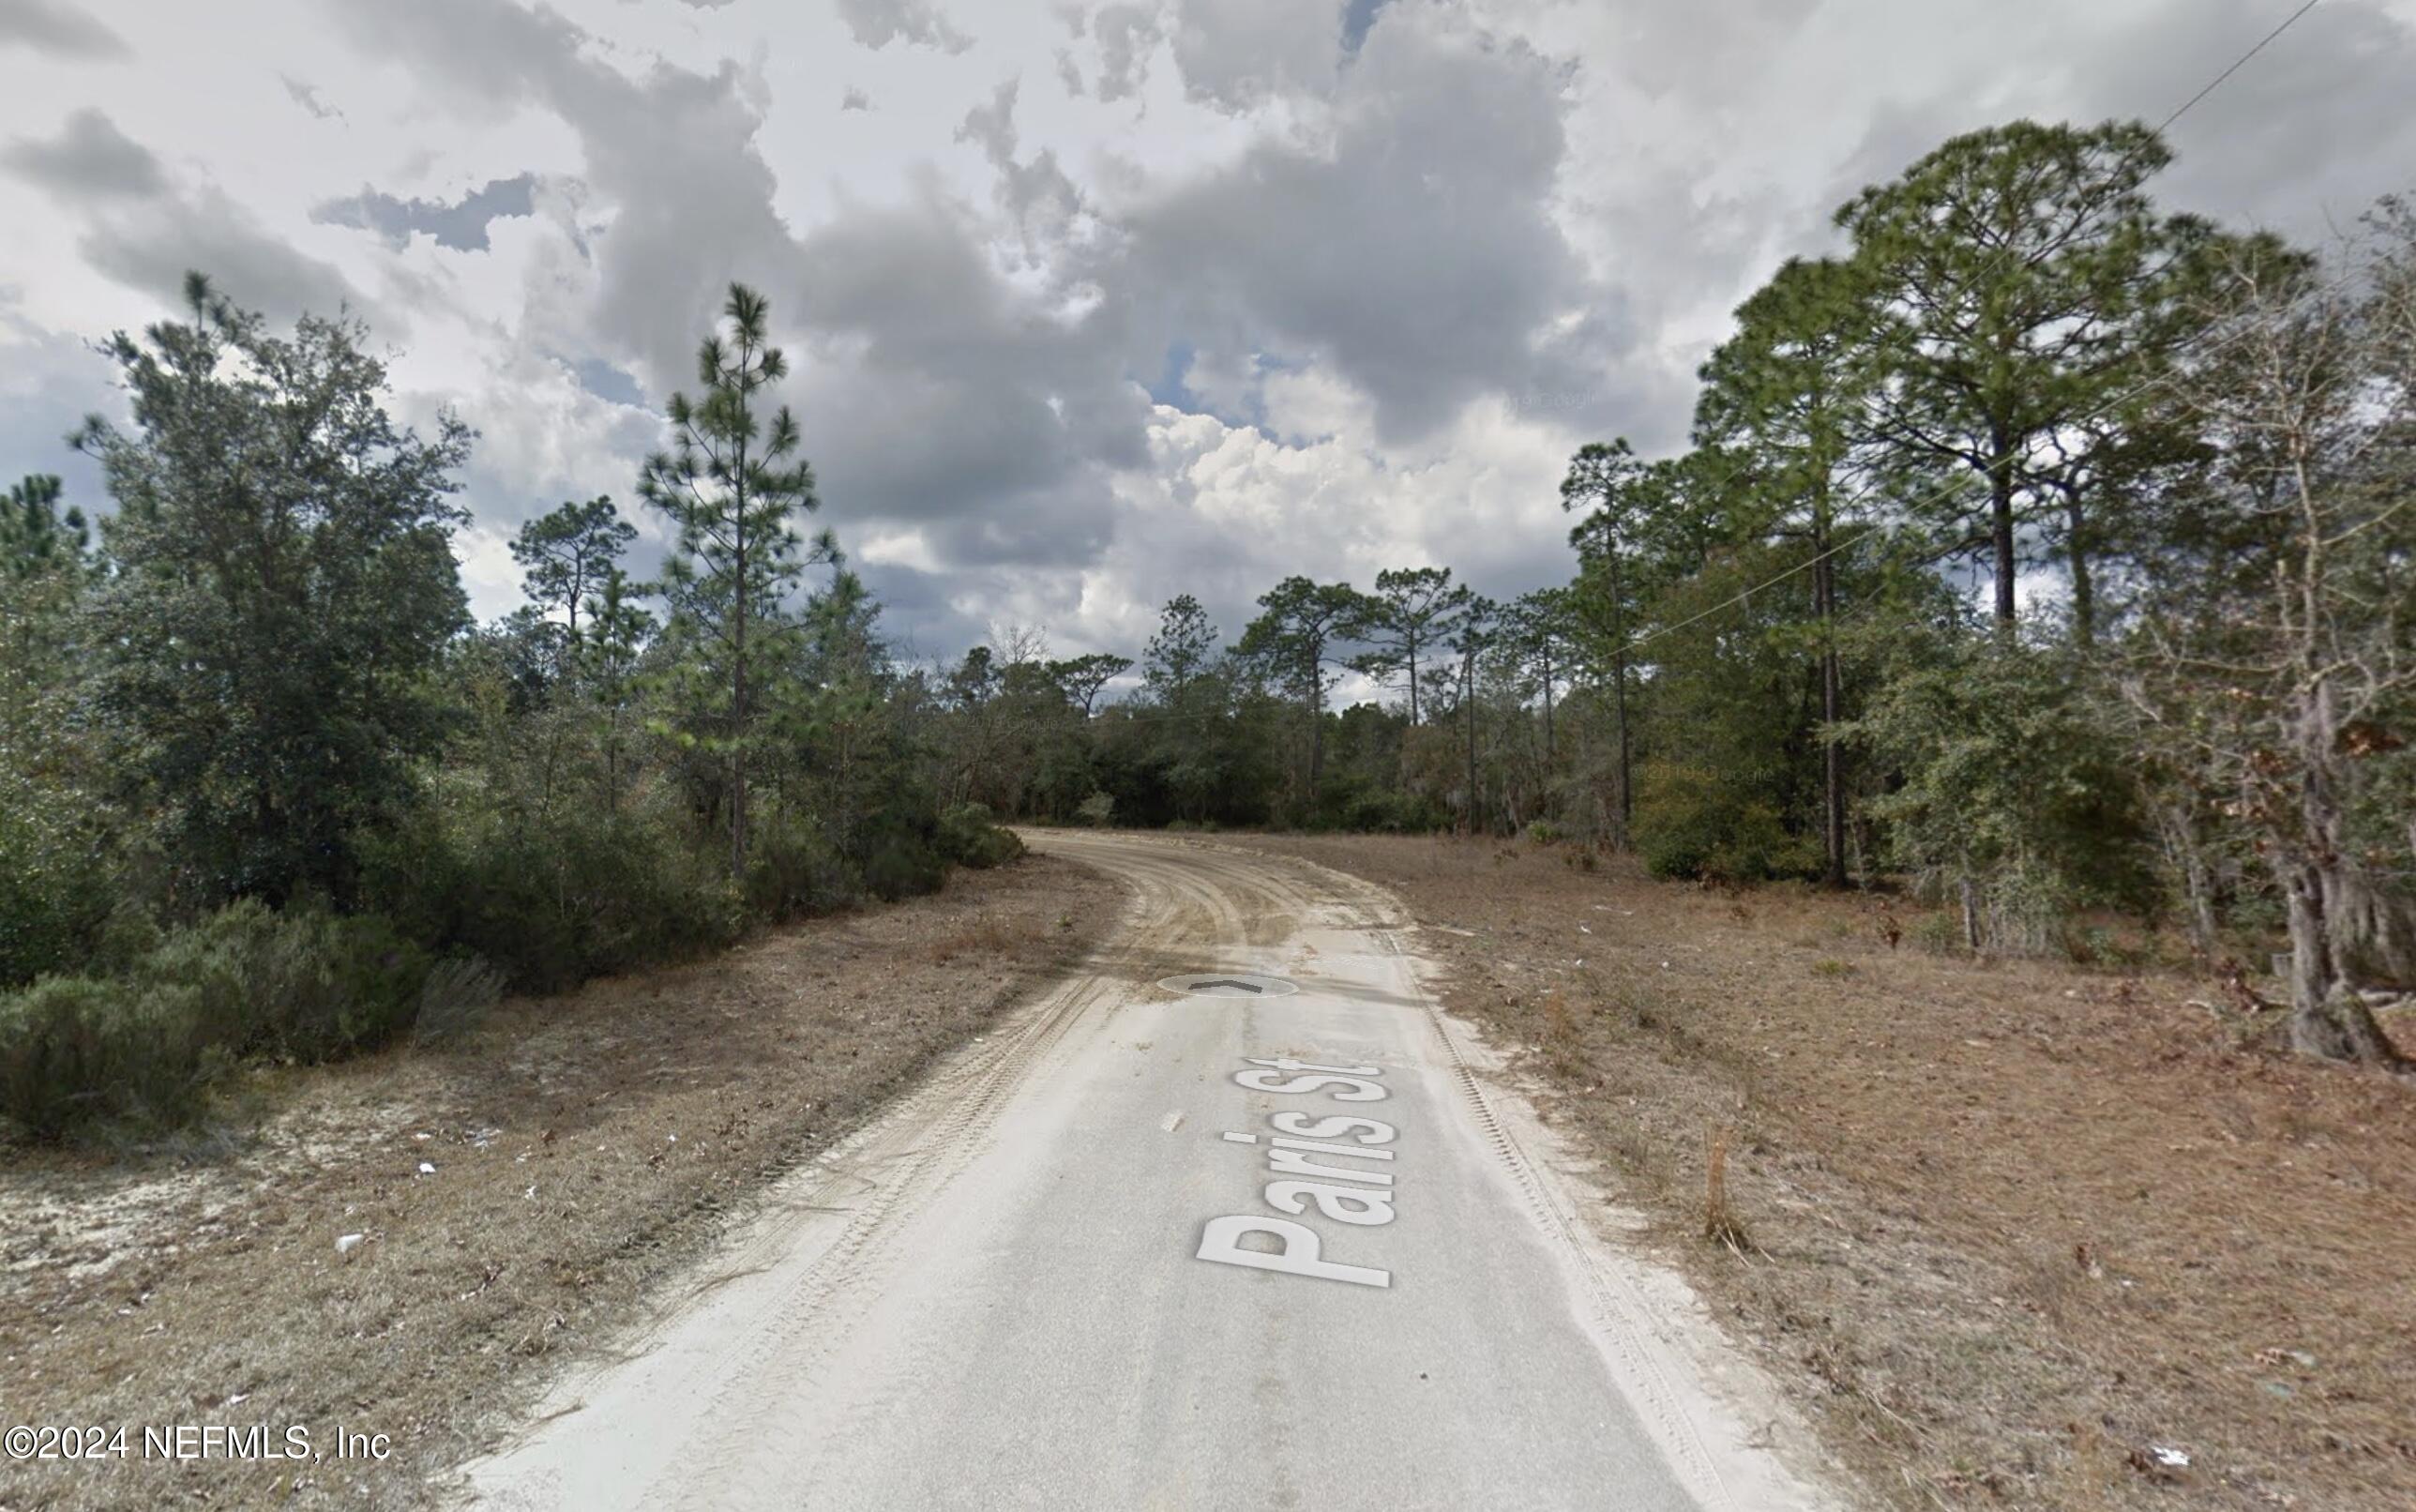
x: 1088, y: 305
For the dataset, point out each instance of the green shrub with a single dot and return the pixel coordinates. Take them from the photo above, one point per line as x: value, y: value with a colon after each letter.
x: 126, y: 938
x: 1544, y: 832
x: 1939, y: 934
x: 1097, y: 811
x: 1691, y: 824
x: 1383, y: 810
x: 342, y: 985
x: 76, y: 1052
x: 968, y: 838
x: 304, y: 984
x: 2025, y: 908
x: 2012, y: 778
x: 899, y: 863
x: 586, y: 894
x: 792, y: 872
x: 2029, y: 909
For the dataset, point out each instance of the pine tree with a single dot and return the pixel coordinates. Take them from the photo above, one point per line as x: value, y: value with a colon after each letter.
x: 1082, y: 677
x: 1537, y: 633
x: 2021, y: 283
x: 1472, y: 637
x: 617, y: 632
x: 1182, y: 649
x: 1602, y: 482
x: 1412, y: 612
x: 1293, y: 641
x: 1784, y: 397
x: 566, y: 555
x: 36, y: 536
x: 732, y: 486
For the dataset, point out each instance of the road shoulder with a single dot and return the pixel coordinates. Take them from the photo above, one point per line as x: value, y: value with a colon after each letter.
x: 2013, y: 1232
x: 416, y: 1245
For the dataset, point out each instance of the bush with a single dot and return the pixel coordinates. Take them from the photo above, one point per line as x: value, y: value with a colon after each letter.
x: 902, y: 866
x: 76, y: 1052
x: 1939, y: 934
x: 303, y: 984
x: 1383, y: 810
x: 1097, y: 809
x: 1544, y: 832
x: 968, y: 838
x: 1690, y: 823
x: 587, y: 894
x: 898, y: 863
x: 126, y: 938
x: 792, y: 871
x: 2013, y: 779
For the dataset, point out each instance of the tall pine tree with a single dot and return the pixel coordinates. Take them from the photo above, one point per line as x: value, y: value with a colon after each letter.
x: 732, y: 486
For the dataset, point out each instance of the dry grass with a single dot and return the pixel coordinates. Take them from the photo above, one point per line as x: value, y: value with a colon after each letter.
x: 579, y: 1149
x: 984, y: 935
x: 2019, y: 1226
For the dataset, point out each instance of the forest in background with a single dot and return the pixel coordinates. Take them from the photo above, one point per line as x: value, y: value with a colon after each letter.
x: 266, y: 791
x: 2173, y: 459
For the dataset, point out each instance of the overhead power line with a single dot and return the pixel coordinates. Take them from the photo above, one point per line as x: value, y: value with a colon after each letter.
x: 1851, y: 539
x: 2183, y: 109
x: 2238, y: 63
x: 1988, y: 269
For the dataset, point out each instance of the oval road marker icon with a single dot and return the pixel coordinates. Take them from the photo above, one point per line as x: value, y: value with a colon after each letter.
x: 1228, y: 984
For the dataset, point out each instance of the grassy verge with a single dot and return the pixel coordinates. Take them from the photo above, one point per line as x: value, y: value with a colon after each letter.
x: 2023, y: 1235
x: 515, y: 1195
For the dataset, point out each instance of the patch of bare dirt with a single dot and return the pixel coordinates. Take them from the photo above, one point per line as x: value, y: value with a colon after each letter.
x: 2024, y: 1234
x: 513, y: 1199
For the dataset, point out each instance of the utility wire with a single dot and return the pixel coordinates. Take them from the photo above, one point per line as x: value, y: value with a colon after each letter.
x: 1989, y: 268
x: 2236, y: 334
x: 2240, y: 63
x: 1985, y: 270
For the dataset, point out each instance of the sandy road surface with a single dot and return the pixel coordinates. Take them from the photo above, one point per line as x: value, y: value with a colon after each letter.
x: 1013, y: 1291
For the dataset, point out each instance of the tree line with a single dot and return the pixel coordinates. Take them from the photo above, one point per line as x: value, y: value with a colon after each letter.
x: 267, y: 791
x: 2044, y: 550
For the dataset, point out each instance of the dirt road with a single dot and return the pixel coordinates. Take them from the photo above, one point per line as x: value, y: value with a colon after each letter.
x: 1284, y: 1239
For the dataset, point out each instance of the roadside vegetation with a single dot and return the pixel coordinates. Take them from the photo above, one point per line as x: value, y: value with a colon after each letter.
x: 2046, y: 553
x: 2020, y: 662
x: 413, y: 1241
x: 267, y: 796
